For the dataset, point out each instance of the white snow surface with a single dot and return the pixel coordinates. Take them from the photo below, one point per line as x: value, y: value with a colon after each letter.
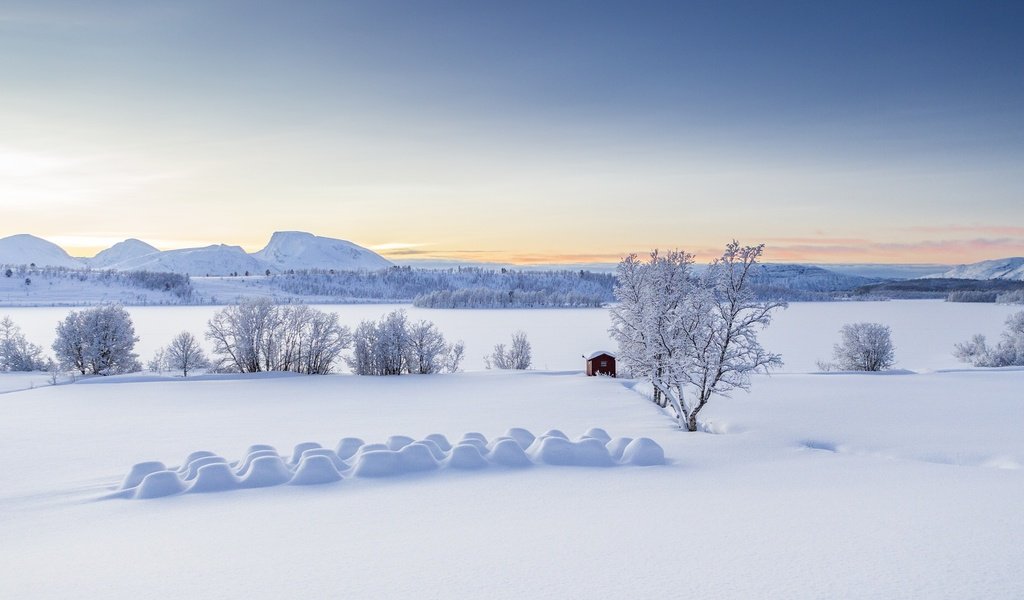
x: 812, y: 486
x: 25, y: 249
x: 300, y: 250
x: 1001, y: 268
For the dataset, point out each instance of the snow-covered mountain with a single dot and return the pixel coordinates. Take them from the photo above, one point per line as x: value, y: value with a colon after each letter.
x: 1000, y: 268
x: 807, y: 278
x: 219, y: 259
x: 120, y: 252
x: 299, y: 250
x: 25, y: 249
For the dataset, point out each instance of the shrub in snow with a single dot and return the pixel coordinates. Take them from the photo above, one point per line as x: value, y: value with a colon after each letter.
x: 97, y: 341
x: 1014, y: 297
x: 680, y: 330
x: 518, y: 356
x: 864, y: 347
x: 1008, y: 352
x: 17, y: 353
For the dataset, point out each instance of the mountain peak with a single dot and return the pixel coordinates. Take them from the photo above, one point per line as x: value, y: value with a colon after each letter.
x: 301, y: 250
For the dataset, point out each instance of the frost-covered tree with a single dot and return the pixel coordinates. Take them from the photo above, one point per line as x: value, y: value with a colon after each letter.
x: 17, y: 353
x: 517, y: 356
x: 864, y: 347
x: 681, y: 331
x: 1008, y: 352
x: 185, y: 354
x: 393, y: 346
x: 98, y: 341
x: 257, y: 335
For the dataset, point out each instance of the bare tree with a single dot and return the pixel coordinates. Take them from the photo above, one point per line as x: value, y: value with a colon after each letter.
x: 1008, y: 352
x: 185, y: 354
x: 517, y: 356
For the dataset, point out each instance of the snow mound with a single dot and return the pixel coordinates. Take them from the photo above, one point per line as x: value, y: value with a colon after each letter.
x: 523, y: 437
x: 192, y: 470
x: 300, y: 448
x: 643, y: 452
x: 617, y: 446
x: 509, y: 453
x: 312, y: 464
x: 214, y: 477
x: 347, y: 447
x: 377, y: 463
x: 159, y: 484
x: 397, y: 442
x: 466, y: 456
x: 440, y: 440
x: 315, y: 469
x: 139, y: 472
x: 266, y: 471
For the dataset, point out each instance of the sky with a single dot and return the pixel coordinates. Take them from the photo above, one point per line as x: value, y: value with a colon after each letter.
x: 524, y: 132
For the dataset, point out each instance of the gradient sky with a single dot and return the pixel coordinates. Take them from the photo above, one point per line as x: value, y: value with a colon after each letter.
x: 845, y: 131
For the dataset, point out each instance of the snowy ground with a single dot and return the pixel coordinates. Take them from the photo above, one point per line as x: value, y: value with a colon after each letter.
x: 854, y: 486
x: 812, y: 486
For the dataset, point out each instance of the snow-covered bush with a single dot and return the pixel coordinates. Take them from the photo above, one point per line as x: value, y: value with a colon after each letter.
x: 257, y: 335
x: 678, y: 329
x: 1008, y: 352
x: 518, y: 356
x: 393, y: 346
x: 17, y: 353
x: 864, y: 347
x: 97, y: 341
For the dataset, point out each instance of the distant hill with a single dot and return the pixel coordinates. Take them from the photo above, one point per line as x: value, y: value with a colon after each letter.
x: 130, y: 249
x: 297, y: 250
x: 218, y: 259
x: 25, y: 249
x: 1001, y: 268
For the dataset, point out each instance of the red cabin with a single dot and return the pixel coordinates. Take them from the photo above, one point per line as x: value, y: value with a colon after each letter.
x: 601, y: 363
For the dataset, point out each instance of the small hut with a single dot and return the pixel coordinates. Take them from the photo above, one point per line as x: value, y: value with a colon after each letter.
x: 601, y: 363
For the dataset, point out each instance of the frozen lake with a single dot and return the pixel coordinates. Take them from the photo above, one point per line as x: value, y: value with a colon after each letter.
x: 924, y: 331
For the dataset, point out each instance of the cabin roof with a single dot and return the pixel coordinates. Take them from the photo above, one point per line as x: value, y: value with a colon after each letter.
x: 599, y: 353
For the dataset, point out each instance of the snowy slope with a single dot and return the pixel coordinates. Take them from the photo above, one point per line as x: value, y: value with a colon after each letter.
x: 807, y: 278
x: 1001, y: 268
x: 25, y: 249
x: 129, y: 249
x: 300, y: 250
x: 219, y: 259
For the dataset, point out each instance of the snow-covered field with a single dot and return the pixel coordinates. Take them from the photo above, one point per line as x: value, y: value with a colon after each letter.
x: 901, y: 485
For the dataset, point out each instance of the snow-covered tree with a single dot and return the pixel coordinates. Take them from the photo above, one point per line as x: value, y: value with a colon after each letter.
x: 1008, y: 352
x: 682, y: 331
x: 185, y: 354
x: 517, y: 356
x: 98, y: 341
x: 257, y: 335
x: 393, y: 346
x: 864, y: 347
x: 17, y: 353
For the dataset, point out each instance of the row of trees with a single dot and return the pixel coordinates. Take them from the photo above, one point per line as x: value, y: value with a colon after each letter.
x: 258, y: 335
x: 691, y: 335
x: 394, y: 345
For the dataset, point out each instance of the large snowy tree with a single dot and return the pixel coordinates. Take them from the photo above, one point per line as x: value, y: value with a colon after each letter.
x: 691, y: 335
x: 97, y: 341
